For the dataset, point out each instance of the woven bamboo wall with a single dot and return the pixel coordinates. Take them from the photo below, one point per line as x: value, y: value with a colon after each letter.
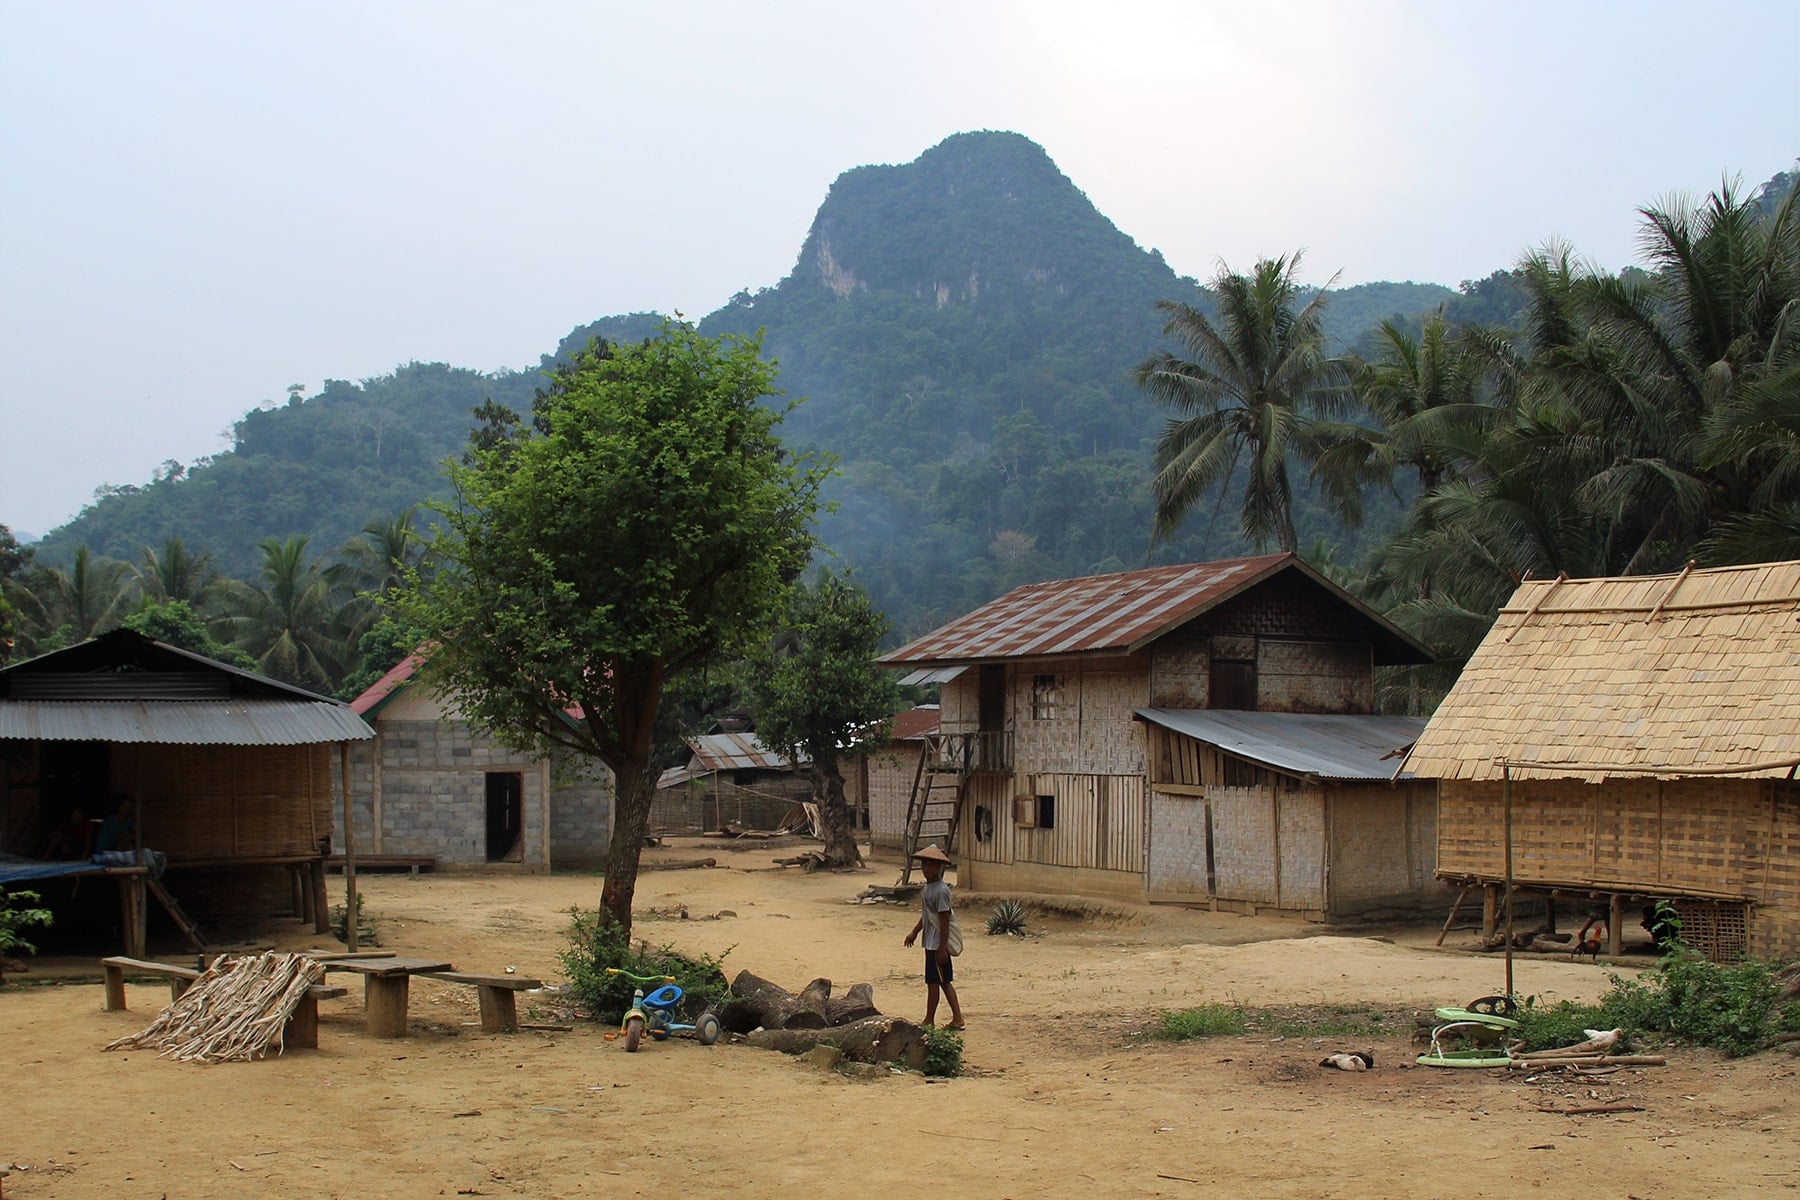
x: 230, y: 801
x: 1712, y: 837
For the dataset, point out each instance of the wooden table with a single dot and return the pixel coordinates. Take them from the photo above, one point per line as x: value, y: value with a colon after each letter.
x: 386, y: 985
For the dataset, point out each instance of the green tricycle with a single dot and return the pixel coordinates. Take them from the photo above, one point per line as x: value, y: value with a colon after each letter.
x: 659, y: 1013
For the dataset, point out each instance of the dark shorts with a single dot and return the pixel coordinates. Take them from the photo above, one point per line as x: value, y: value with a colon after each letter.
x: 937, y: 974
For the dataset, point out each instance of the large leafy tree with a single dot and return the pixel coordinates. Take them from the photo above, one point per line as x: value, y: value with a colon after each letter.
x: 1244, y: 398
x: 818, y: 695
x: 644, y: 522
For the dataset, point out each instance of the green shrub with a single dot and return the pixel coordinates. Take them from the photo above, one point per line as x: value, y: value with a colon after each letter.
x: 943, y: 1051
x: 596, y: 943
x: 16, y: 913
x: 1208, y: 1020
x: 1729, y: 1008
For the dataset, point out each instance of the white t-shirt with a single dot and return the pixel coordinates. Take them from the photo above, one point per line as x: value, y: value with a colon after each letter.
x: 933, y: 900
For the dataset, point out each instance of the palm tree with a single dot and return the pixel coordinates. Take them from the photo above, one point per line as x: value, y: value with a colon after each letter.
x: 174, y: 573
x: 60, y: 608
x: 291, y: 622
x: 386, y: 555
x: 1245, y: 396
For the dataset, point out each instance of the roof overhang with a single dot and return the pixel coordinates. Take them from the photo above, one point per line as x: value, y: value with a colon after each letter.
x: 1334, y: 746
x: 234, y: 722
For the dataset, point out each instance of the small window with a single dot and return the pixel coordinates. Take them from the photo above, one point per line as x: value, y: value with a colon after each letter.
x: 1046, y: 812
x: 1046, y: 697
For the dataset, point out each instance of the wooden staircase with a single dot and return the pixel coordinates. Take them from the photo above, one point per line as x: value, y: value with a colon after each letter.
x: 935, y: 809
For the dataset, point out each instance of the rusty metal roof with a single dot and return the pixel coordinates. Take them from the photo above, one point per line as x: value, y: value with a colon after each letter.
x: 1323, y: 745
x: 733, y: 752
x: 915, y: 723
x: 1121, y: 613
x: 236, y: 721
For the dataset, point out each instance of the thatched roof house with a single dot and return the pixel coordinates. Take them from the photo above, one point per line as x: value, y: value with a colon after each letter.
x: 1648, y: 732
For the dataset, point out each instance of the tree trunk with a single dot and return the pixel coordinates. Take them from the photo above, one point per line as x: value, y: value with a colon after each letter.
x: 636, y: 789
x: 874, y: 1040
x: 835, y: 825
x: 757, y: 1003
x: 853, y: 1005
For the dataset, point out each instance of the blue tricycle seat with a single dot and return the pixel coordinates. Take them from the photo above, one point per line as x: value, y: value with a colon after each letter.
x: 667, y: 996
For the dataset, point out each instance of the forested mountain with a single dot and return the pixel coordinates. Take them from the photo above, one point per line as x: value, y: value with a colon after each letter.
x: 962, y: 328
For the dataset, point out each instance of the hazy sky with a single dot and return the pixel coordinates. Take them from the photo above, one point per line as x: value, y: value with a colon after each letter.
x: 202, y: 203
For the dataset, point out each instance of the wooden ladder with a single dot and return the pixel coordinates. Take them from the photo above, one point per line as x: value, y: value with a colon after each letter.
x: 932, y: 814
x: 189, y: 929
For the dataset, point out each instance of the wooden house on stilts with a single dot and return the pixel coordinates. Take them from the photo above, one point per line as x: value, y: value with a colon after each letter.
x: 1631, y: 741
x: 1201, y: 734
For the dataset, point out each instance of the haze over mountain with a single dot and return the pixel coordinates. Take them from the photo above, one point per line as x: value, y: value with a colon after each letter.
x: 962, y: 328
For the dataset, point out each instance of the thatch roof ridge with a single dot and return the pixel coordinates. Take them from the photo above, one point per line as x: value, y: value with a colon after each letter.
x: 1691, y: 673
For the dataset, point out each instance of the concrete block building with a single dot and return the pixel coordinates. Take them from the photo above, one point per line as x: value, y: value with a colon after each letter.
x: 431, y: 786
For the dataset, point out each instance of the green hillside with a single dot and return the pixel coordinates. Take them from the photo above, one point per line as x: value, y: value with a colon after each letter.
x: 962, y: 327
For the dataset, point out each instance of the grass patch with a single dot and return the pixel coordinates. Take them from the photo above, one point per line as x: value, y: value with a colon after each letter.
x: 1208, y: 1020
x: 1734, y: 1009
x: 943, y: 1052
x: 1290, y: 1021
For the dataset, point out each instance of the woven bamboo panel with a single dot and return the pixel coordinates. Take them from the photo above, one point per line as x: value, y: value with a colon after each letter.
x: 231, y: 801
x: 1720, y: 932
x: 1661, y: 674
x: 1244, y: 831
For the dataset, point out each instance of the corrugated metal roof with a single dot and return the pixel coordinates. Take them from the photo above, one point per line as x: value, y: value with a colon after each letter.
x: 926, y: 676
x: 384, y: 689
x: 1123, y: 612
x: 1696, y: 673
x: 915, y: 723
x: 1325, y: 745
x: 234, y: 722
x: 733, y: 752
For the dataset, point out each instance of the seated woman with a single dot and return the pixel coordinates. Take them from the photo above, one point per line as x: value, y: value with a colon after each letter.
x: 117, y: 832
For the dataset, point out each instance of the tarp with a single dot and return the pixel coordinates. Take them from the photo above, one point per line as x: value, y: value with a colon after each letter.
x: 14, y: 869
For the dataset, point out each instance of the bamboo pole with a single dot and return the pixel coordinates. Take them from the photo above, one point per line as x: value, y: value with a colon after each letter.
x: 350, y: 918
x: 1506, y: 790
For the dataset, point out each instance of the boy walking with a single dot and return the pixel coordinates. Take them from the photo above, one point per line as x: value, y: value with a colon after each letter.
x: 934, y: 923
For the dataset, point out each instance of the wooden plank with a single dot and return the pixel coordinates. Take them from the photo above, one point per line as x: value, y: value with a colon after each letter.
x: 516, y: 983
x: 384, y: 999
x: 387, y: 967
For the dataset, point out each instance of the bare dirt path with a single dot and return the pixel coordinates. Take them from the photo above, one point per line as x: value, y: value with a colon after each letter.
x: 1061, y: 1100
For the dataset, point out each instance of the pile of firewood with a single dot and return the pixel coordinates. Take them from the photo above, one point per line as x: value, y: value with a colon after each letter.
x: 774, y: 1018
x: 235, y: 1012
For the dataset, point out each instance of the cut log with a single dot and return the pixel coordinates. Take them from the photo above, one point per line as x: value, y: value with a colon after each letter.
x: 758, y: 1004
x: 871, y: 1040
x: 810, y: 1003
x: 854, y: 1005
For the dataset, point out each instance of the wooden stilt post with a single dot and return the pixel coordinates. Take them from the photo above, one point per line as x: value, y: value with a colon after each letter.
x: 350, y: 917
x: 321, y: 906
x: 1490, y: 910
x: 1506, y: 787
x: 1615, y: 926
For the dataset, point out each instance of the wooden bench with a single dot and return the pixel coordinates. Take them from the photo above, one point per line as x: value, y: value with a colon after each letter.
x: 387, y: 982
x: 302, y: 1029
x: 180, y: 978
x: 496, y: 995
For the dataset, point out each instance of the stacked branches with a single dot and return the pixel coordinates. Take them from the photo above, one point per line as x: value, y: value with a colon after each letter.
x: 234, y: 1013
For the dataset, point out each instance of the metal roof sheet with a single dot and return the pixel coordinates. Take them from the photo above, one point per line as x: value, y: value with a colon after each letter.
x: 733, y: 752
x: 238, y: 721
x: 1325, y: 745
x: 926, y: 676
x: 915, y: 723
x: 1121, y: 613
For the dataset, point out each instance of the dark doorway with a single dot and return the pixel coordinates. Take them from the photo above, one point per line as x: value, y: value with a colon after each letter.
x: 505, y: 816
x: 1231, y: 683
x: 992, y: 700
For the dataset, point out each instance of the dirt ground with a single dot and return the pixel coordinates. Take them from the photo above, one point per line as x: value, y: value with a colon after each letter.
x: 1060, y: 1098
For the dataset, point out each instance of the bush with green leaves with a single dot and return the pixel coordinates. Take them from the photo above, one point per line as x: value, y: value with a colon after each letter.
x: 943, y: 1051
x: 1734, y: 1008
x: 18, y: 911
x: 596, y: 943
